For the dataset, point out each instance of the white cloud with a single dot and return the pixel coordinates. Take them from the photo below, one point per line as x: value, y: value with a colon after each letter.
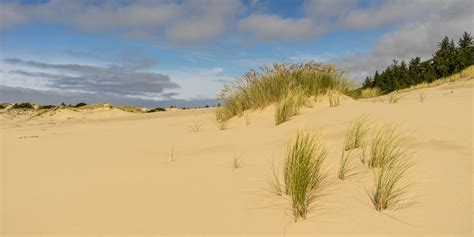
x: 273, y: 27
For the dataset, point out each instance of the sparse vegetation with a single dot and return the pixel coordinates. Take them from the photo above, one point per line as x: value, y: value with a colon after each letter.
x: 303, y: 175
x: 237, y: 162
x: 343, y: 164
x: 276, y: 185
x: 289, y: 106
x: 196, y: 125
x: 385, y: 147
x: 393, y: 98
x: 273, y: 84
x: 22, y: 106
x: 370, y: 93
x: 334, y: 99
x: 356, y: 133
x: 390, y: 187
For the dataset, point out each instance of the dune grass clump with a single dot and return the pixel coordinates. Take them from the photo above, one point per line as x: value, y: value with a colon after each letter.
x: 196, y: 125
x: 390, y: 187
x: 356, y: 133
x: 303, y: 175
x: 236, y: 162
x: 334, y: 99
x: 370, y: 93
x: 289, y: 106
x: 344, y: 166
x: 271, y: 84
x: 386, y: 146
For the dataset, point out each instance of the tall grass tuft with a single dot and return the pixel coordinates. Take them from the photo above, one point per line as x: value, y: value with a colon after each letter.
x: 303, y: 174
x: 271, y: 84
x: 370, y: 93
x: 356, y: 133
x: 390, y: 187
x: 344, y: 165
x: 385, y: 147
x: 334, y: 99
x: 290, y: 105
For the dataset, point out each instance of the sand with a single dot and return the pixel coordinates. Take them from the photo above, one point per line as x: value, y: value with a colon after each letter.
x: 113, y: 174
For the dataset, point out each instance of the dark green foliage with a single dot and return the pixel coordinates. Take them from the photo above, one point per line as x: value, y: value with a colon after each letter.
x: 22, y: 106
x: 157, y: 109
x: 47, y: 106
x: 449, y: 59
x: 2, y: 106
x: 80, y: 105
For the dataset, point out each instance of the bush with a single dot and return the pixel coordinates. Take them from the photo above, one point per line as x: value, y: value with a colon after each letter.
x: 273, y: 83
x: 80, y: 105
x: 303, y: 174
x: 22, y: 106
x: 47, y: 106
x: 157, y: 109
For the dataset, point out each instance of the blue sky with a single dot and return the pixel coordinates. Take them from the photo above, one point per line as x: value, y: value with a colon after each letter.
x: 143, y: 52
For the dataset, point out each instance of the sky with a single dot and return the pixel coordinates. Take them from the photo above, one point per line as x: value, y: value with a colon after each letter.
x: 159, y: 53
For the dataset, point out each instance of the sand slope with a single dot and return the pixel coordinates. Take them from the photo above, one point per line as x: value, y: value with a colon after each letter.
x: 115, y: 176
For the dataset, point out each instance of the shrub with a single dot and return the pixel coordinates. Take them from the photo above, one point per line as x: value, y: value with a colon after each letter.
x: 22, y: 106
x: 289, y: 106
x: 303, y: 174
x: 2, y: 106
x: 157, y: 109
x: 81, y: 104
x: 258, y: 89
x: 47, y: 106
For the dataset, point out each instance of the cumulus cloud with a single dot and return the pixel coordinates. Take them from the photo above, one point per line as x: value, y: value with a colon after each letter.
x: 183, y: 22
x: 112, y: 80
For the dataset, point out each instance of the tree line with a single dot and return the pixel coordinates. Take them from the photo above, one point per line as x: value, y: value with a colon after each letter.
x: 447, y: 60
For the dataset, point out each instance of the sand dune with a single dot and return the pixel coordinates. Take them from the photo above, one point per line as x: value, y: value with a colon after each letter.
x: 112, y: 172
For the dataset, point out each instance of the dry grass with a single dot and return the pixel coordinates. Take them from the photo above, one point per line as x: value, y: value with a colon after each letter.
x: 237, y: 162
x: 289, y: 106
x: 303, y: 175
x: 370, y: 93
x: 196, y: 125
x: 258, y: 89
x: 334, y: 99
x: 275, y: 183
